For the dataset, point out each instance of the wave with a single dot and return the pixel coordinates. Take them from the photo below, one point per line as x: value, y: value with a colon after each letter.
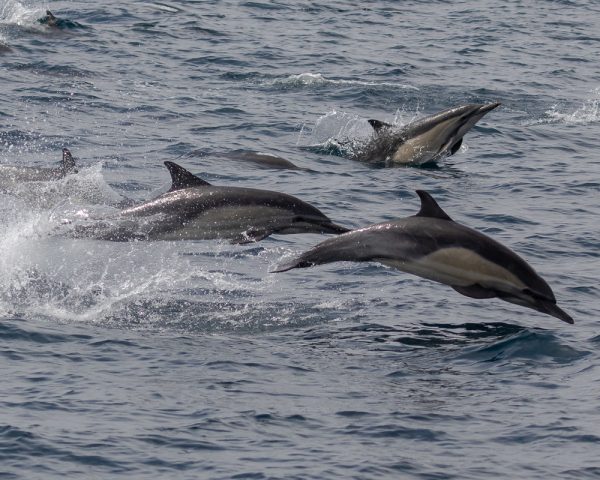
x: 318, y: 80
x: 588, y: 112
x: 15, y: 17
x: 86, y: 187
x: 15, y: 13
x: 526, y: 345
x: 193, y: 288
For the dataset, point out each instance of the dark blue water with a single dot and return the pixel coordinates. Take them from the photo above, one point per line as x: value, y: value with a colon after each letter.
x: 188, y: 359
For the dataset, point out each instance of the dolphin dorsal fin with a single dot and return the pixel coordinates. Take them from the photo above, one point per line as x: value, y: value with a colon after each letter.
x: 181, y: 178
x: 68, y: 162
x: 429, y: 207
x: 378, y: 125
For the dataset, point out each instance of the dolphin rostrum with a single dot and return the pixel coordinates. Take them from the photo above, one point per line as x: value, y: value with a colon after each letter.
x: 193, y: 209
x: 40, y: 174
x: 424, y: 140
x: 433, y: 246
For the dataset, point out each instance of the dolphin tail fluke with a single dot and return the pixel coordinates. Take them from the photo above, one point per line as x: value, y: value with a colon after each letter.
x: 297, y: 262
x: 335, y: 249
x: 331, y: 227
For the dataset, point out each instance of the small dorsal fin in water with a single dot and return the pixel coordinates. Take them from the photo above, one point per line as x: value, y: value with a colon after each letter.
x: 181, y: 178
x: 48, y: 19
x: 378, y: 125
x: 455, y: 147
x: 68, y: 162
x: 429, y: 207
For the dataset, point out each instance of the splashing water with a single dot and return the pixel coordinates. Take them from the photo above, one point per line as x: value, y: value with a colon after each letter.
x: 589, y: 112
x: 318, y: 80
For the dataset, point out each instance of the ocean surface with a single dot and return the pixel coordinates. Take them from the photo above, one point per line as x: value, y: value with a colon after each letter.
x: 188, y: 359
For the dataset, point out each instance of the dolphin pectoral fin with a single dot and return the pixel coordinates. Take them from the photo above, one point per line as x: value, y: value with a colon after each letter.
x: 284, y: 267
x: 297, y: 262
x: 456, y: 147
x: 330, y: 227
x: 182, y: 178
x: 475, y: 291
x: 68, y: 162
x: 429, y: 207
x: 378, y: 125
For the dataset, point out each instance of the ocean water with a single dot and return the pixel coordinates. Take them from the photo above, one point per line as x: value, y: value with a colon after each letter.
x: 188, y: 359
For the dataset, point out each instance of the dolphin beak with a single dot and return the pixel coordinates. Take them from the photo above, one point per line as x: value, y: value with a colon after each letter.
x: 488, y: 107
x: 553, y: 309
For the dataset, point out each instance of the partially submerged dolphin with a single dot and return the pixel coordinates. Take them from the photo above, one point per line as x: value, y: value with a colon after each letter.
x: 266, y: 160
x: 433, y: 246
x: 263, y: 159
x: 193, y: 209
x: 40, y: 174
x: 49, y: 19
x: 58, y: 23
x: 424, y: 140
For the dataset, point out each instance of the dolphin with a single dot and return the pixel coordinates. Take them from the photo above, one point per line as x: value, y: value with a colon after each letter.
x: 49, y: 19
x: 263, y: 159
x: 424, y: 140
x: 432, y: 245
x: 266, y: 160
x: 40, y: 174
x: 193, y: 209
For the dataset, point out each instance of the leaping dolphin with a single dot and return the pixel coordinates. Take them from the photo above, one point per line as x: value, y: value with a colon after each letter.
x: 433, y: 246
x: 40, y: 174
x: 424, y: 140
x: 193, y: 209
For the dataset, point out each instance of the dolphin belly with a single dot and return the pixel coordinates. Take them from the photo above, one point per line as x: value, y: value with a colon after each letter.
x: 429, y: 145
x: 456, y: 266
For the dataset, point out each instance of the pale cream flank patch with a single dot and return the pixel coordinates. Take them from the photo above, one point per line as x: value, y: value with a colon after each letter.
x: 227, y: 222
x: 425, y: 147
x: 460, y: 267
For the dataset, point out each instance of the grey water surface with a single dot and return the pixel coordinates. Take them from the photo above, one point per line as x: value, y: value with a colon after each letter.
x: 188, y: 359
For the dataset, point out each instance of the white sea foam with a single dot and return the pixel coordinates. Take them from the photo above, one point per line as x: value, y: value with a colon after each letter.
x: 588, y: 112
x: 15, y: 13
x: 88, y: 186
x: 343, y: 131
x: 317, y: 80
